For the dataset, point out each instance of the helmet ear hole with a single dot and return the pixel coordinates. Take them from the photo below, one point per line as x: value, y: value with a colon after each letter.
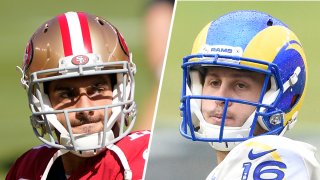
x: 294, y: 100
x: 45, y: 30
x: 100, y: 21
x: 270, y: 22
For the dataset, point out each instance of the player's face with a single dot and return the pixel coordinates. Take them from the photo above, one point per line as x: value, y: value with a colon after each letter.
x: 230, y: 83
x: 82, y: 92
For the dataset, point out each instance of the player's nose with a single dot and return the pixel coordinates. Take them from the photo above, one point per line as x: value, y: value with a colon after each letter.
x: 223, y: 92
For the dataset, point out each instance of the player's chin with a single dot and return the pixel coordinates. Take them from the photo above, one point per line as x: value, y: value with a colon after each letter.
x: 88, y: 128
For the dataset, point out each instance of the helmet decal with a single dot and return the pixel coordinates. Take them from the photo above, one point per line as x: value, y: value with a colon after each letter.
x: 80, y: 60
x: 75, y: 33
x: 262, y: 45
x: 123, y: 43
x: 28, y: 55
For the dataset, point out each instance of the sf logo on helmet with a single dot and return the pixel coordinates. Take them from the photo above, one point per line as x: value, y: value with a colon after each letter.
x: 28, y: 55
x: 80, y: 60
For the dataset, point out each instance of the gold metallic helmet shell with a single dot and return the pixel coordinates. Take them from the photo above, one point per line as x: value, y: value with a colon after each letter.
x: 72, y: 34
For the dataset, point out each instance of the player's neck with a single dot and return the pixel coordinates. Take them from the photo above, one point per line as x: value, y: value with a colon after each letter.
x: 221, y: 155
x: 71, y: 162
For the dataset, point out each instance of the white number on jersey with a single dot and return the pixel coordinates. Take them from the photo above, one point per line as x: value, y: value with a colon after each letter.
x: 136, y: 135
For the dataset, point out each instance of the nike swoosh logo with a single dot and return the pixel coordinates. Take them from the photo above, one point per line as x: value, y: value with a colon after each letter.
x: 253, y: 156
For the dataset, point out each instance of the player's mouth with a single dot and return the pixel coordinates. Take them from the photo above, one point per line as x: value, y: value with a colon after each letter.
x: 87, y: 125
x: 217, y: 118
x: 88, y: 128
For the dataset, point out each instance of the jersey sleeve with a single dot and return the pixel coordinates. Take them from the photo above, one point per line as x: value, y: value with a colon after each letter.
x: 269, y: 157
x: 31, y: 164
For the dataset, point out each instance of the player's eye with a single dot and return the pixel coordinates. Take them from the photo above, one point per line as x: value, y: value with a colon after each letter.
x: 66, y: 94
x: 241, y: 85
x: 97, y: 89
x: 215, y: 83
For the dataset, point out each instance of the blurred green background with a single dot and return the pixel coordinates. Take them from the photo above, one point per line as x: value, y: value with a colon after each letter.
x: 19, y: 19
x: 190, y: 18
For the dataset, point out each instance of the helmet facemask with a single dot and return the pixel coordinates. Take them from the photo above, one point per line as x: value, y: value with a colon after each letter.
x: 195, y: 124
x: 118, y: 119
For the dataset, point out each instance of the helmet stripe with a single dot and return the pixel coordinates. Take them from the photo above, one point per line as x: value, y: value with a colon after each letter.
x: 200, y: 40
x: 85, y: 31
x: 75, y: 33
x: 65, y: 34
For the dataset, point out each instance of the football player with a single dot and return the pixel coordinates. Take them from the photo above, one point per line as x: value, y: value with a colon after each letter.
x: 243, y: 86
x: 79, y: 77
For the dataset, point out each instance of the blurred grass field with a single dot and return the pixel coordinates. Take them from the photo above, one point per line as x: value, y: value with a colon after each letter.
x: 191, y: 17
x: 19, y: 20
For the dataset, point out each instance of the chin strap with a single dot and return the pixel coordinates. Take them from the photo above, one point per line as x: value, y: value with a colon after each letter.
x: 54, y: 157
x: 291, y: 123
x: 123, y: 159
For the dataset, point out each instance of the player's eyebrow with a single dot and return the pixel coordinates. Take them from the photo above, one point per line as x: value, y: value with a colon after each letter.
x: 67, y: 87
x: 62, y: 88
x: 237, y: 74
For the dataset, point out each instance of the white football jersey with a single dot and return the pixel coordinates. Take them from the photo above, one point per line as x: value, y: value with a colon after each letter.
x: 269, y: 157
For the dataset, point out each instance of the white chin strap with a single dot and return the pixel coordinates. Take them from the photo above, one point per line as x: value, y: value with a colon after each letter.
x: 87, y: 141
x: 208, y: 130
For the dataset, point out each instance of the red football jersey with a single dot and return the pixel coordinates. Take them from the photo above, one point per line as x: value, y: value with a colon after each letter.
x: 106, y: 165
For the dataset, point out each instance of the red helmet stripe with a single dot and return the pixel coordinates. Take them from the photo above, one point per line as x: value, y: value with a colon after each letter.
x: 85, y: 31
x: 65, y: 34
